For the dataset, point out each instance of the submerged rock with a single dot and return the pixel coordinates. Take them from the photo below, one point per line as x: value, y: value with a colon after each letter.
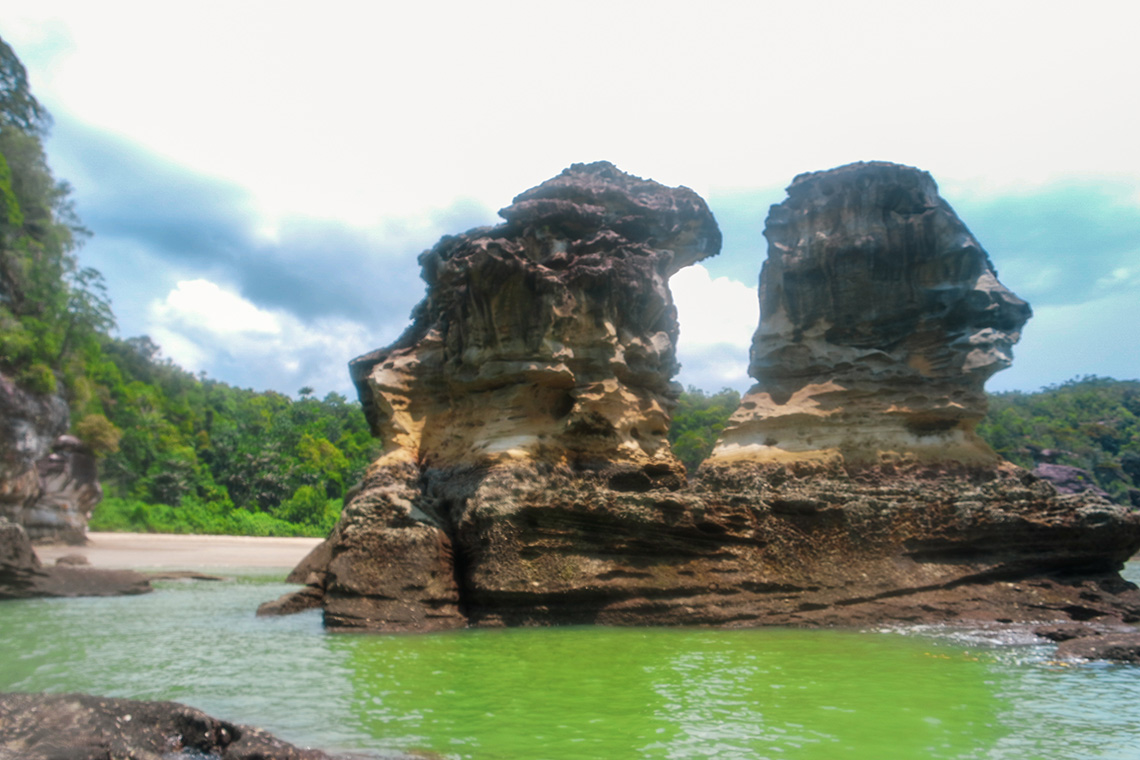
x: 527, y: 477
x: 82, y: 727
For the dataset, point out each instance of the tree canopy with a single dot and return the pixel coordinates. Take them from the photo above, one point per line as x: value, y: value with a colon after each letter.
x: 18, y: 107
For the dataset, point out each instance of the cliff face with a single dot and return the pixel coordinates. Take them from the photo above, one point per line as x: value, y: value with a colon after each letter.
x: 48, y: 481
x: 29, y: 425
x: 527, y: 478
x: 881, y: 319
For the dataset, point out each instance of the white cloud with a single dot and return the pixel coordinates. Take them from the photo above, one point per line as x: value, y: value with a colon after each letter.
x: 717, y: 317
x: 385, y: 108
x: 1120, y: 277
x: 203, y: 326
x: 202, y: 306
x: 369, y: 113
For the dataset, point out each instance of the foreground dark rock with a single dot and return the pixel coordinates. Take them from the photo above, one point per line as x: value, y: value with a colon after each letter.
x: 527, y: 479
x: 82, y: 727
x: 23, y: 576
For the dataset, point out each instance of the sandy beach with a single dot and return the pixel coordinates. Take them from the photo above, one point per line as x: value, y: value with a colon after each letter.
x: 148, y: 551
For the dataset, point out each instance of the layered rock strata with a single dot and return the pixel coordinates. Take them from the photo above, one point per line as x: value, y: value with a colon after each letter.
x: 49, y: 482
x: 29, y: 424
x: 543, y: 351
x: 69, y: 491
x: 527, y: 479
x: 881, y: 319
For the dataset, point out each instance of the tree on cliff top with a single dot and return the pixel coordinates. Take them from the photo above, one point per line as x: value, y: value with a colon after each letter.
x: 51, y: 309
x: 18, y: 107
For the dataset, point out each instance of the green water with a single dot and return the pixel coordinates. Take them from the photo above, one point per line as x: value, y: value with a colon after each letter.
x: 576, y: 692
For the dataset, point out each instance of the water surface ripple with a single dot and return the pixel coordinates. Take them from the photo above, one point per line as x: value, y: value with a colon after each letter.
x: 576, y: 692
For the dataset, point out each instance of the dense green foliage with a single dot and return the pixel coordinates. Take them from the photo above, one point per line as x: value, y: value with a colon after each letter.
x: 219, y: 459
x: 18, y: 107
x: 51, y: 309
x: 180, y: 453
x: 697, y: 422
x: 1092, y: 423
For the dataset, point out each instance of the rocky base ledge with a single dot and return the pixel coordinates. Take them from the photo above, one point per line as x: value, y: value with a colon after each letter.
x: 23, y: 576
x: 83, y: 727
x: 810, y: 545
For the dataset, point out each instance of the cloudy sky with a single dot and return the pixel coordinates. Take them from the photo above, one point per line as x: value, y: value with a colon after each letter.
x: 260, y: 176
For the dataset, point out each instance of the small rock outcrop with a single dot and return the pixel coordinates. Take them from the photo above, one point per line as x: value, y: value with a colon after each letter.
x: 1114, y: 647
x: 23, y: 576
x: 55, y: 726
x: 1068, y: 479
x: 527, y: 478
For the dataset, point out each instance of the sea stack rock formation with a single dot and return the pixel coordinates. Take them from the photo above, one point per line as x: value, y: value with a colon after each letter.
x: 533, y: 385
x: 527, y: 478
x: 881, y: 320
x: 870, y: 495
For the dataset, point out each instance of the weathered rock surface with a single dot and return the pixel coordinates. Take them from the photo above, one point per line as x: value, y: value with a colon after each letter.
x: 547, y: 339
x: 82, y: 727
x: 527, y: 478
x: 881, y: 319
x: 29, y: 425
x: 49, y: 482
x: 23, y: 576
x: 69, y: 485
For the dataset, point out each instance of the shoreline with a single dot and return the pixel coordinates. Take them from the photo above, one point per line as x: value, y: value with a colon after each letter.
x: 149, y: 551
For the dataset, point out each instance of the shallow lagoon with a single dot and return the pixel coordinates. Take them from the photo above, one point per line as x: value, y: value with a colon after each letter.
x: 576, y: 692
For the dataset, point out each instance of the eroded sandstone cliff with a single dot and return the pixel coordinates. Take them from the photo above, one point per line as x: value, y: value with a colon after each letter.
x: 544, y: 349
x: 49, y: 483
x: 29, y: 424
x: 527, y: 478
